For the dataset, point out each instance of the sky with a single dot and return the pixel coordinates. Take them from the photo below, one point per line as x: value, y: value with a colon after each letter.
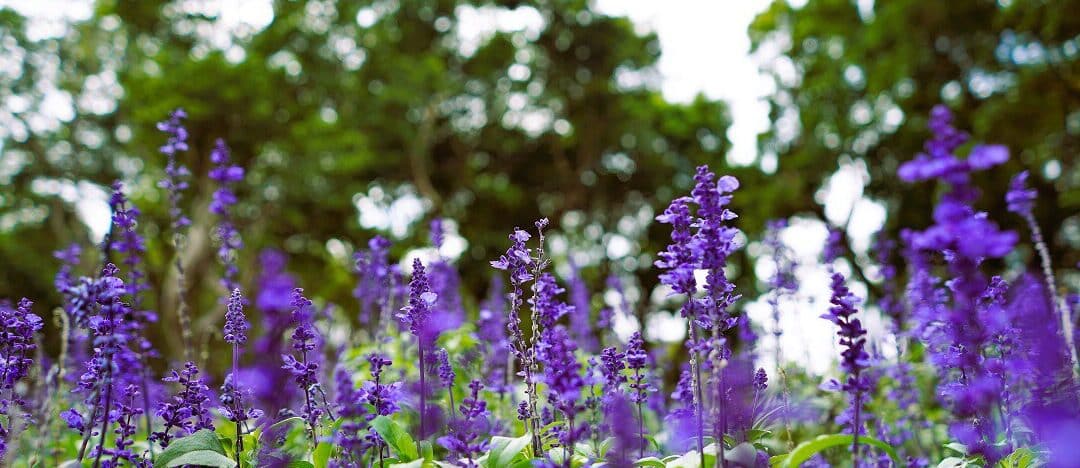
x: 704, y: 49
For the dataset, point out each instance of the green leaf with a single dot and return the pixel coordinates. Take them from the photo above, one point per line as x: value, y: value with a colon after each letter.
x: 504, y: 449
x: 810, y: 448
x: 418, y: 463
x: 287, y: 421
x: 204, y: 440
x: 321, y: 456
x: 957, y: 447
x: 1022, y: 457
x: 427, y: 452
x: 395, y: 436
x: 650, y: 462
x: 954, y: 462
x: 201, y: 458
x: 300, y: 464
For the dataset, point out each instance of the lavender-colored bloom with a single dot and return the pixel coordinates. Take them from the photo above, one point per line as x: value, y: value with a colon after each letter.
x: 619, y: 416
x: 17, y: 328
x: 126, y: 414
x: 175, y: 173
x: 834, y: 246
x: 1020, y: 198
x: 225, y: 175
x: 415, y: 315
x: 127, y: 241
x: 446, y: 371
x: 853, y: 358
x: 373, y: 271
x: 275, y: 288
x: 467, y: 434
x: 952, y: 321
x: 236, y: 324
x: 611, y: 369
x: 304, y: 369
x: 545, y: 301
x: 438, y: 233
x: 580, y: 318
x: 188, y: 410
x: 678, y: 258
x: 761, y: 380
x: 562, y: 374
x: 113, y: 364
x: 636, y: 361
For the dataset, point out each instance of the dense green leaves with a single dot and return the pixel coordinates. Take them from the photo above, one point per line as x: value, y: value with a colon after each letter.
x: 503, y: 450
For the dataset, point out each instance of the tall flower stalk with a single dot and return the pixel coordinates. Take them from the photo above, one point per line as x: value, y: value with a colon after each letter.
x: 853, y: 359
x: 233, y: 394
x: 1021, y: 200
x: 129, y: 242
x: 958, y: 334
x: 416, y: 316
x: 175, y: 183
x: 304, y: 369
x: 17, y: 343
x: 518, y: 263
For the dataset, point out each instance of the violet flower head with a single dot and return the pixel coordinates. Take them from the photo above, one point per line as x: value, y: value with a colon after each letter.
x: 383, y: 398
x: 416, y: 314
x: 128, y: 241
x: 225, y: 174
x: 611, y: 368
x: 1020, y: 198
x: 187, y: 411
x: 562, y: 374
x: 853, y: 358
x: 549, y: 309
x: 228, y: 237
x: 438, y: 233
x: 17, y: 328
x: 938, y: 161
x: 619, y: 416
x: 69, y: 259
x: 834, y: 247
x: 236, y: 323
x: 761, y: 380
x: 580, y: 318
x: 175, y: 173
x: 446, y: 371
x: 637, y: 361
x: 467, y: 434
x: 678, y: 258
x: 305, y: 368
x: 373, y: 280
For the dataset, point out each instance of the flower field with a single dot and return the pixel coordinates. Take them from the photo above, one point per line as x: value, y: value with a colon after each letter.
x: 977, y: 367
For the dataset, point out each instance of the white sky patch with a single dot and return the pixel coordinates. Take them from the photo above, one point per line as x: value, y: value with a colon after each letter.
x: 705, y: 49
x: 91, y: 202
x: 393, y: 213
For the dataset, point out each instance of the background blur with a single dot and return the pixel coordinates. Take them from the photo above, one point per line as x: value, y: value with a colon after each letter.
x: 356, y: 117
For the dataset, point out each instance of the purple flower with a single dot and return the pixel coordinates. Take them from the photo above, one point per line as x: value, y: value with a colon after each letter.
x: 678, y: 258
x: 580, y: 317
x: 438, y: 233
x: 761, y: 380
x: 611, y: 369
x: 187, y: 411
x: 236, y: 324
x: 17, y: 328
x: 304, y: 369
x: 374, y: 277
x: 939, y: 160
x: 562, y: 374
x: 415, y: 315
x: 834, y: 246
x: 446, y: 371
x: 225, y: 175
x: 467, y: 437
x: 175, y: 173
x: 545, y: 303
x: 853, y: 357
x: 619, y: 416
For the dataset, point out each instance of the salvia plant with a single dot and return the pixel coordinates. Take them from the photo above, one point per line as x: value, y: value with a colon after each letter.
x: 975, y: 363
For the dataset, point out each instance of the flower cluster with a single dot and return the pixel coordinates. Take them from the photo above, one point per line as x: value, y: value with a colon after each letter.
x: 187, y: 411
x: 229, y: 243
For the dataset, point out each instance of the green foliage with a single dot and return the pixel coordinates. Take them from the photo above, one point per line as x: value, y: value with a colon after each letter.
x: 201, y: 448
x: 504, y: 450
x: 810, y: 448
x: 397, y: 438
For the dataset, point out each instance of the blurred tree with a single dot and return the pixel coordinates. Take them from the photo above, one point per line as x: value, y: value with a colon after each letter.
x: 495, y: 112
x: 855, y: 80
